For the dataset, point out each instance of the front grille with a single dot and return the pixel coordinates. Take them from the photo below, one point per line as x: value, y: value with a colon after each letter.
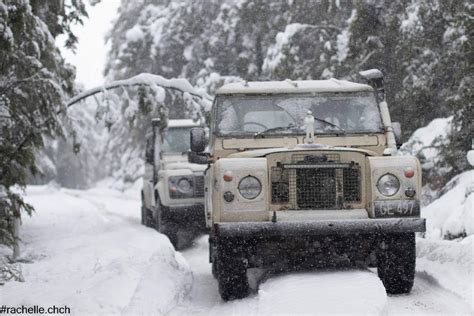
x: 198, y: 186
x: 315, y: 188
x: 316, y: 182
x: 351, y: 184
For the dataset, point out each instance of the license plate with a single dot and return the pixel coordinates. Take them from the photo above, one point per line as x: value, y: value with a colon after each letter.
x: 397, y: 208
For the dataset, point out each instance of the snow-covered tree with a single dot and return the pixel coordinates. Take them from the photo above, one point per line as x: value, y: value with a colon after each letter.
x: 34, y: 83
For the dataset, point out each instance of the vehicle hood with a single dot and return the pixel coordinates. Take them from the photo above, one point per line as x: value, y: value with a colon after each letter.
x: 183, y: 165
x: 316, y: 147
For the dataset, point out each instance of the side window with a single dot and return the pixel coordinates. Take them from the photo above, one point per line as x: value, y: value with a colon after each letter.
x: 149, y: 152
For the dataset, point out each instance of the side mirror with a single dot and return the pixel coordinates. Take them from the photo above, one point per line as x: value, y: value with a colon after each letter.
x: 198, y: 139
x: 397, y: 131
x: 198, y: 158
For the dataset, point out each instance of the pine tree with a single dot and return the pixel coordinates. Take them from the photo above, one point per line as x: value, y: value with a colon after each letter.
x: 34, y: 82
x: 422, y: 47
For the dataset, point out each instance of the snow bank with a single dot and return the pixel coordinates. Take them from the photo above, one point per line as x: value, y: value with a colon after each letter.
x: 87, y: 250
x: 450, y: 263
x: 423, y: 138
x: 451, y: 215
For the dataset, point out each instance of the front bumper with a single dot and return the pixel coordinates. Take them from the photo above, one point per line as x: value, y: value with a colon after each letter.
x: 341, y: 227
x: 185, y: 216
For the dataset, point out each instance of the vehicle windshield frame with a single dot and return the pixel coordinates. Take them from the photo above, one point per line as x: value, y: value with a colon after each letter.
x: 335, y: 132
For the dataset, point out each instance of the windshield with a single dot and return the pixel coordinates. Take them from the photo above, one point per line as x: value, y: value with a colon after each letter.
x: 250, y: 114
x: 177, y: 139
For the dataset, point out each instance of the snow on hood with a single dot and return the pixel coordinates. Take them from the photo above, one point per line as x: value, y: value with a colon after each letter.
x: 174, y: 162
x: 185, y: 165
x: 316, y: 147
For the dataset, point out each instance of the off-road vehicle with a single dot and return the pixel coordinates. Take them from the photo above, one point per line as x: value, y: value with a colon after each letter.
x: 303, y: 174
x: 173, y: 188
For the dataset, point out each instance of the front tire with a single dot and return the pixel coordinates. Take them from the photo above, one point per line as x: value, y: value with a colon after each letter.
x: 143, y: 210
x: 163, y: 225
x: 231, y: 273
x: 148, y: 220
x: 396, y: 260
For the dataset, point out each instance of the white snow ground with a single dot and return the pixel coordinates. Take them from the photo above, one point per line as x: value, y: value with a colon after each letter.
x: 87, y: 250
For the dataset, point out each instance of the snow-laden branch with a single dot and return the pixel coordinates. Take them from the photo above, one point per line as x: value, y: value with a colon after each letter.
x: 276, y: 54
x: 146, y: 79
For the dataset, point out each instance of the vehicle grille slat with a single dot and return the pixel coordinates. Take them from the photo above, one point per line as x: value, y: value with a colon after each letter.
x: 316, y: 182
x: 198, y: 186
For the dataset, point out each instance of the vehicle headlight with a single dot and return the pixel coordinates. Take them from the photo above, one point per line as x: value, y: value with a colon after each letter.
x: 184, y: 185
x: 250, y: 187
x: 388, y: 184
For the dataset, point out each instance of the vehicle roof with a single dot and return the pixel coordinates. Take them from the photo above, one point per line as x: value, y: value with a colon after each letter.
x: 288, y: 86
x: 183, y: 123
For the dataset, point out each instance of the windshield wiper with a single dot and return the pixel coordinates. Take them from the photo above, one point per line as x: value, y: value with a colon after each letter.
x: 329, y: 123
x: 274, y: 129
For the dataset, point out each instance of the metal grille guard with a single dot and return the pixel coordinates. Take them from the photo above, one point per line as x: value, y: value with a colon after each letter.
x: 320, y: 228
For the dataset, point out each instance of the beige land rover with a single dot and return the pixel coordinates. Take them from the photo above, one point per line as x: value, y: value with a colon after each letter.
x: 303, y: 174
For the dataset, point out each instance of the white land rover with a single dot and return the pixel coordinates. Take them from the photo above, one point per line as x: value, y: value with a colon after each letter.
x: 173, y: 188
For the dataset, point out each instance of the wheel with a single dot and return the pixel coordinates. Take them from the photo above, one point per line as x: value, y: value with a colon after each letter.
x: 148, y: 220
x: 172, y: 234
x: 214, y: 269
x: 231, y: 273
x: 143, y: 215
x: 143, y: 210
x: 396, y: 261
x: 163, y: 224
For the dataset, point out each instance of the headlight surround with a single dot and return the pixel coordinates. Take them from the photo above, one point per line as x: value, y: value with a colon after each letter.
x: 388, y: 184
x: 181, y: 187
x: 250, y: 187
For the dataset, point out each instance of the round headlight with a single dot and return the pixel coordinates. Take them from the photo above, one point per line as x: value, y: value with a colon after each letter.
x: 184, y: 185
x: 250, y: 187
x: 388, y: 184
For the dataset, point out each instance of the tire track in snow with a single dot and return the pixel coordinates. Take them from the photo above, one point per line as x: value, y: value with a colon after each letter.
x: 427, y: 298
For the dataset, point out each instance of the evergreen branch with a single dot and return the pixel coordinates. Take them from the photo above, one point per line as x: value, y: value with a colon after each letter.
x: 143, y: 79
x: 14, y: 84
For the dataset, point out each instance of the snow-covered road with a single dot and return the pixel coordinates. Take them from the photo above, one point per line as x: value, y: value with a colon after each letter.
x: 87, y: 250
x: 323, y: 292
